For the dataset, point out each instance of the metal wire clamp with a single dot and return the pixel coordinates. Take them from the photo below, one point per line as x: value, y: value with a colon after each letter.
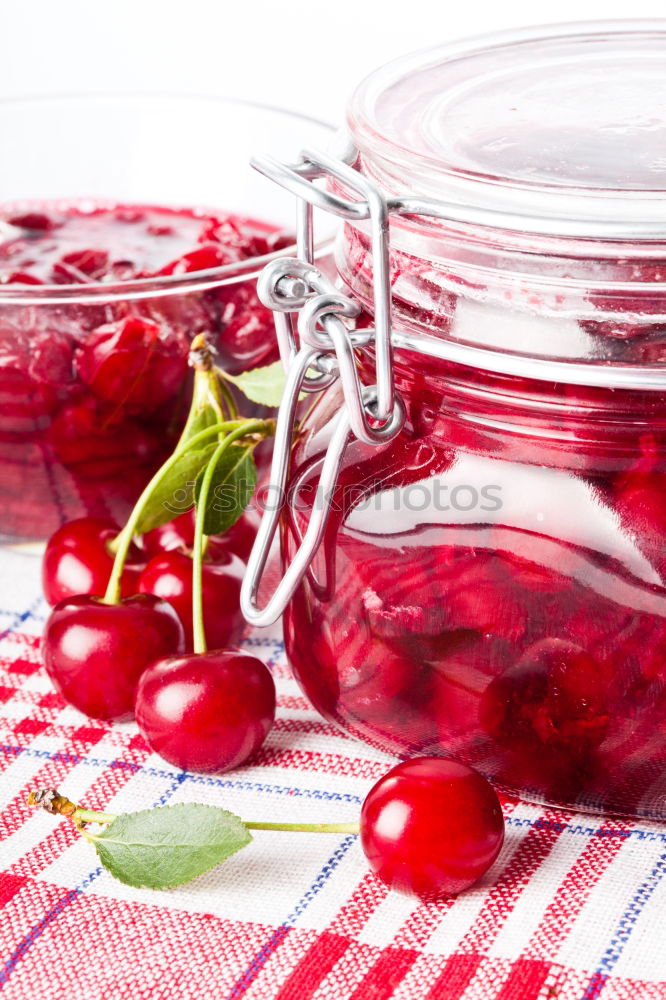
x: 314, y: 329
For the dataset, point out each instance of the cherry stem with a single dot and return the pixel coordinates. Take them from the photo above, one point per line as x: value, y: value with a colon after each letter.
x: 198, y: 630
x: 306, y: 827
x: 123, y: 541
x: 90, y: 816
x: 56, y: 804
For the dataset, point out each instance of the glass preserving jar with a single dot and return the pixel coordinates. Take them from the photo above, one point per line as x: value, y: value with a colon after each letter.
x: 113, y: 255
x: 490, y: 582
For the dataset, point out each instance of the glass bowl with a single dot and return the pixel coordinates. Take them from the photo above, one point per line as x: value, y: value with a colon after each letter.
x: 64, y: 451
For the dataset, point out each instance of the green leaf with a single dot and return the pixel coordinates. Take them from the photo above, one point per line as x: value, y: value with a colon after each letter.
x: 261, y: 385
x: 231, y: 488
x: 175, y: 493
x: 164, y: 847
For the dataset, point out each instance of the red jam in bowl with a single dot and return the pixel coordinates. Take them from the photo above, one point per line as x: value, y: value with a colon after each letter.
x: 92, y: 392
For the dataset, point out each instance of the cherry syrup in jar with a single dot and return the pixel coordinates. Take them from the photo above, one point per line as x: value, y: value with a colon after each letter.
x: 93, y: 392
x: 492, y: 583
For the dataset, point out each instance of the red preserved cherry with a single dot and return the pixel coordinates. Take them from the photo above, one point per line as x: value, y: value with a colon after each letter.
x: 210, y: 255
x: 431, y: 827
x: 247, y: 337
x: 640, y: 501
x: 555, y: 697
x: 207, y: 711
x: 98, y: 442
x: 133, y: 363
x: 34, y: 221
x: 169, y: 576
x: 95, y: 653
x: 77, y: 560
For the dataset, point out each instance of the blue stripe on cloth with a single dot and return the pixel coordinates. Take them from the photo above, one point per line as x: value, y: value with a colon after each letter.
x: 197, y: 779
x: 19, y: 617
x: 61, y: 905
x: 279, y: 934
x: 258, y: 641
x: 625, y: 928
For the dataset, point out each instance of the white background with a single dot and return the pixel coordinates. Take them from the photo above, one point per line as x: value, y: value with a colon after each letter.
x: 302, y: 55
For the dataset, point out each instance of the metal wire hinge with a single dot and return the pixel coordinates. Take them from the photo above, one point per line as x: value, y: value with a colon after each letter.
x: 314, y: 325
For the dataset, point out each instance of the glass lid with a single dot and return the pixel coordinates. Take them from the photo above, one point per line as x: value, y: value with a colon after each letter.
x: 565, y: 122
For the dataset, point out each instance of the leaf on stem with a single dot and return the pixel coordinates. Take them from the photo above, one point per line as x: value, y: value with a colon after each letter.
x: 261, y: 385
x: 165, y: 847
x: 175, y: 493
x: 231, y: 489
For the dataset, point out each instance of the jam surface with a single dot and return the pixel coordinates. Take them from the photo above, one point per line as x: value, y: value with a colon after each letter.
x: 81, y: 243
x: 92, y: 394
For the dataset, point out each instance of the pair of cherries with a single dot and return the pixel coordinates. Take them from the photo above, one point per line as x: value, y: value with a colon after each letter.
x: 428, y: 827
x: 200, y: 711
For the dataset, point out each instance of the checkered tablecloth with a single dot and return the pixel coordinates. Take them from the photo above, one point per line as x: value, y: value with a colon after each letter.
x: 575, y: 907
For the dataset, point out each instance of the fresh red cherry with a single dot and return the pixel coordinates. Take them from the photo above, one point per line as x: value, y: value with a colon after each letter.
x: 179, y: 534
x: 431, y: 827
x: 169, y: 576
x: 175, y: 535
x: 77, y: 560
x: 95, y: 653
x: 207, y: 711
x: 240, y: 537
x: 133, y: 363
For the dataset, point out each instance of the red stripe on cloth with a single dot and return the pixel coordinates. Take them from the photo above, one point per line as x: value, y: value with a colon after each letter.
x: 89, y: 734
x: 454, y: 978
x: 30, y: 727
x: 524, y: 981
x: 68, y: 733
x: 317, y: 726
x: 294, y: 702
x: 509, y: 884
x: 110, y: 949
x: 327, y: 763
x: 50, y: 700
x: 30, y: 642
x: 386, y: 974
x: 354, y: 915
x: 419, y: 926
x: 23, y: 666
x: 574, y: 891
x: 6, y: 692
x: 314, y: 966
x: 34, y: 698
x: 10, y: 885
